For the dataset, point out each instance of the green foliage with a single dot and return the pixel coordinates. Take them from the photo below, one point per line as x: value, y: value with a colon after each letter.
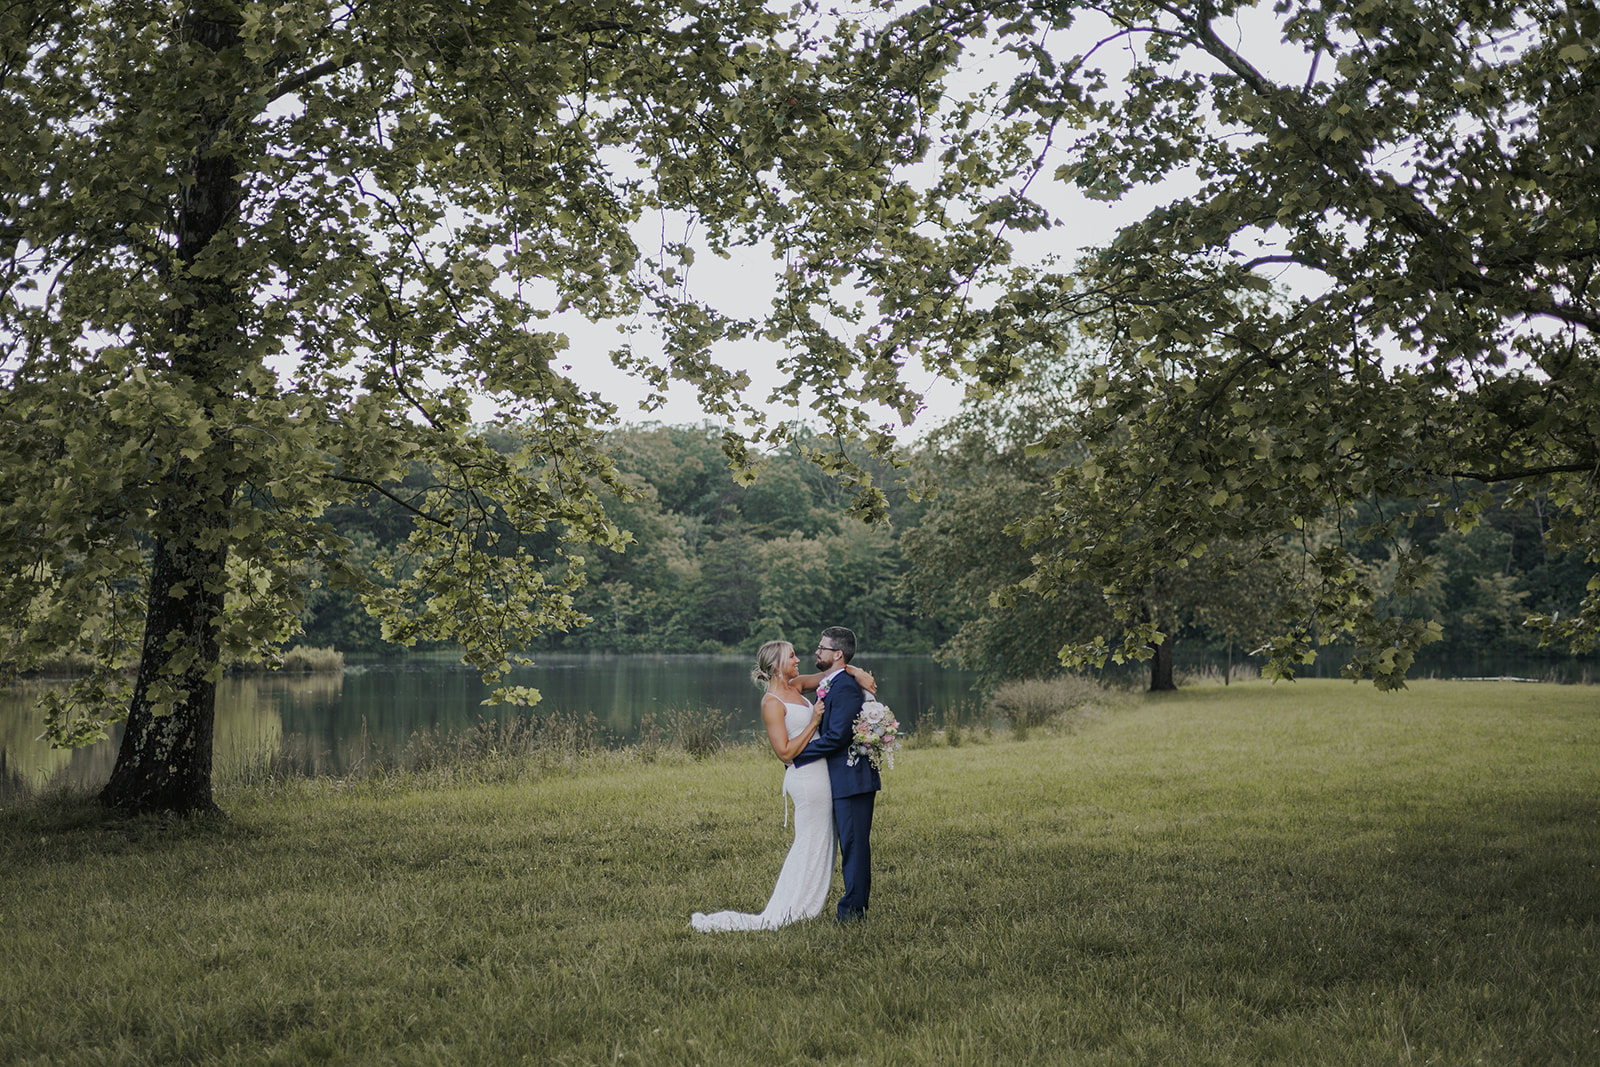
x: 256, y: 260
x: 1425, y: 174
x: 335, y: 615
x: 980, y: 554
x: 1481, y: 589
x: 966, y: 564
x: 709, y: 564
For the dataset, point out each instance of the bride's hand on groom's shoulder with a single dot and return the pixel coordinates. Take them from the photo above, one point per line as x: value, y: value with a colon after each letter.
x: 865, y: 679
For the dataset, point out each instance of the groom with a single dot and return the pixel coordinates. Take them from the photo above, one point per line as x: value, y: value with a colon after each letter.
x: 854, y: 788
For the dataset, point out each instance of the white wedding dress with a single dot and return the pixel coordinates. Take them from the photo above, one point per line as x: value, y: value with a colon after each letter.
x: 807, y: 872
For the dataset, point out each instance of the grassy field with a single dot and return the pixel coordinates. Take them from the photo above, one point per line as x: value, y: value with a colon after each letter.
x: 1302, y: 874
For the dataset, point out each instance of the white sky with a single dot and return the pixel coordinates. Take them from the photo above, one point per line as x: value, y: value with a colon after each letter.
x: 745, y: 285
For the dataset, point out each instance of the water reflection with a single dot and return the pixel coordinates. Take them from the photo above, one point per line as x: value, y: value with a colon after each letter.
x: 249, y: 727
x: 25, y: 758
x: 331, y: 723
x: 250, y: 715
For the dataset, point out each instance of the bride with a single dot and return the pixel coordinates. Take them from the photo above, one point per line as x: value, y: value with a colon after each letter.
x: 807, y: 872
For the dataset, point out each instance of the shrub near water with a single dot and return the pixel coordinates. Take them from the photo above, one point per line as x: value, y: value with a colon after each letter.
x: 1065, y: 701
x: 503, y: 750
x: 301, y: 659
x: 698, y: 731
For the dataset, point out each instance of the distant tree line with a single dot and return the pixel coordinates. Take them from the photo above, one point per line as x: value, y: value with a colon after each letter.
x: 711, y: 564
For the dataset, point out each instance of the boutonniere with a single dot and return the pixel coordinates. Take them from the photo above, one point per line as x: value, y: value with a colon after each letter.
x: 822, y: 690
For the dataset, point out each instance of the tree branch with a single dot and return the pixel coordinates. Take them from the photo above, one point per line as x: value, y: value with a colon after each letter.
x: 309, y: 75
x: 376, y: 488
x: 1531, y: 472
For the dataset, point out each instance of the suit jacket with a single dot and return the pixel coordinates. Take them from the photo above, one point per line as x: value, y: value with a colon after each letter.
x: 832, y: 740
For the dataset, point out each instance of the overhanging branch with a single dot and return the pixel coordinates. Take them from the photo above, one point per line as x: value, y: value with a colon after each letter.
x: 379, y: 489
x: 1530, y: 472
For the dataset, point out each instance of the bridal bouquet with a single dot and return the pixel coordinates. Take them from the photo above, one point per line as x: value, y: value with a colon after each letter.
x: 875, y: 735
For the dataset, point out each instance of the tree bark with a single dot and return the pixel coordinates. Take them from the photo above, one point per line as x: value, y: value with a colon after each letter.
x: 164, y: 763
x: 1161, y: 666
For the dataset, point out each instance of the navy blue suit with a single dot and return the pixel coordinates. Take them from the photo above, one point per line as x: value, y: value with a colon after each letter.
x: 854, y: 789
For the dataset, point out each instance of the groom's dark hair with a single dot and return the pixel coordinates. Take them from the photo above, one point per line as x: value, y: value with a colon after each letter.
x: 844, y: 640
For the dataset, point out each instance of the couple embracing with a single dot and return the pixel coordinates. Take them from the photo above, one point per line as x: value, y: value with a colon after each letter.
x: 833, y: 791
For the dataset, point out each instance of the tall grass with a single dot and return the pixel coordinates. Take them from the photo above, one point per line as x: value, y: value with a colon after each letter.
x: 513, y: 750
x: 301, y: 659
x: 698, y: 731
x: 1307, y: 874
x: 1065, y: 702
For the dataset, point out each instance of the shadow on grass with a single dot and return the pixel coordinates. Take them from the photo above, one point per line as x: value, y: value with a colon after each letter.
x: 63, y: 826
x: 1475, y: 897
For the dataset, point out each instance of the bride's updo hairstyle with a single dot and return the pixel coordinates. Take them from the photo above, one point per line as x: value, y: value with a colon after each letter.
x: 769, y: 659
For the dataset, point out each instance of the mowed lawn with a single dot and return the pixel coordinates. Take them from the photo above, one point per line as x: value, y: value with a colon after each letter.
x: 1308, y: 873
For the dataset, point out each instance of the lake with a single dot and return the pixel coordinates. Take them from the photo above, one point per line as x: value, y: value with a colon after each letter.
x: 324, y: 722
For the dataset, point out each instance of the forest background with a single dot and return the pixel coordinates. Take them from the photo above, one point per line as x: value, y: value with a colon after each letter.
x: 715, y: 565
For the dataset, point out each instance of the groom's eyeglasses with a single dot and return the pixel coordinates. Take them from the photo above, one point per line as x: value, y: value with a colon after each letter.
x: 826, y: 648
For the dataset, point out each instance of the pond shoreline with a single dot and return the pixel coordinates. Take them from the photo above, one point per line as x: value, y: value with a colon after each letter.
x: 327, y: 722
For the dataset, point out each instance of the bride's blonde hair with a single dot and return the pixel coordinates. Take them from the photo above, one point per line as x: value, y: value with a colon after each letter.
x: 769, y: 658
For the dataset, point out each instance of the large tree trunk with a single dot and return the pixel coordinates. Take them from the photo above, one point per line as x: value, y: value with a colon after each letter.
x: 164, y: 763
x: 1161, y: 666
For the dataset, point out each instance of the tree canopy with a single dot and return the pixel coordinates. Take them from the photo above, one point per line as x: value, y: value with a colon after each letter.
x: 1368, y: 298
x: 257, y: 259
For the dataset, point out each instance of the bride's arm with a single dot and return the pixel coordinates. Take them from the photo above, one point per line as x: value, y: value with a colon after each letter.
x: 778, y: 733
x: 866, y: 681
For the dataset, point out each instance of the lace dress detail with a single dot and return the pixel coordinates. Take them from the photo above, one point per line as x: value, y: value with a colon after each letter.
x: 807, y: 872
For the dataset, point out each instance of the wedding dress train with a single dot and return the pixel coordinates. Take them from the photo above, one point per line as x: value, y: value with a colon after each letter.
x: 807, y: 873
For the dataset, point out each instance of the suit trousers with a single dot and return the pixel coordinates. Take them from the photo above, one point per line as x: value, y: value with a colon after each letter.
x: 852, y: 817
